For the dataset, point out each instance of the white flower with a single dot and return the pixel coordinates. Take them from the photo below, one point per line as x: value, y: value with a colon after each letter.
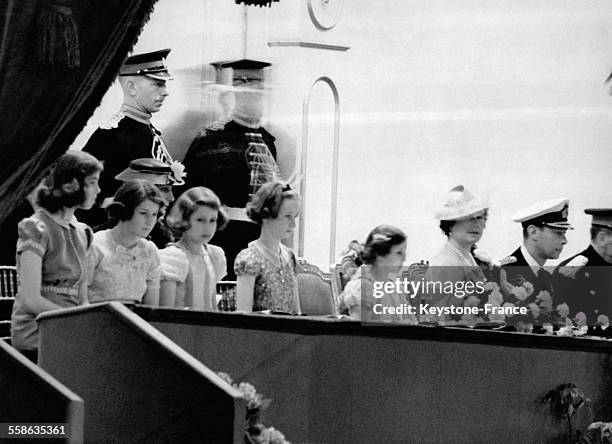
x: 529, y: 287
x: 485, y: 257
x: 178, y: 172
x: 471, y: 301
x: 580, y: 318
x: 491, y: 286
x: 520, y: 293
x: 496, y: 298
x: 603, y: 321
x: 535, y: 309
x: 582, y: 330
x: 563, y: 310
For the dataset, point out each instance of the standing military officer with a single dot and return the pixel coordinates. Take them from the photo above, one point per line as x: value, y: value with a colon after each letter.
x: 234, y: 157
x: 584, y: 281
x: 524, y: 281
x: 130, y: 134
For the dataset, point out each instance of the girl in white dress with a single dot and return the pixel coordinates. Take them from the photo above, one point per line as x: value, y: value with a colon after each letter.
x: 191, y: 266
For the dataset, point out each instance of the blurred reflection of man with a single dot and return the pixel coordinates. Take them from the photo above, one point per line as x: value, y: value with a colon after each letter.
x: 129, y: 134
x: 235, y: 156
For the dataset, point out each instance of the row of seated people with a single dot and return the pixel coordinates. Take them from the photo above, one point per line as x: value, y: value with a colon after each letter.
x: 463, y: 285
x: 62, y: 262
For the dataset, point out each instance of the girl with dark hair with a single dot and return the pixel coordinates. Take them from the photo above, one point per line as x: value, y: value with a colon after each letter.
x: 266, y: 269
x: 52, y: 247
x: 124, y: 265
x: 383, y: 254
x: 191, y: 267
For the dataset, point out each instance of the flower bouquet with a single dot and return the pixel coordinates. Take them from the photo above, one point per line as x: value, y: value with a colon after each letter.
x: 255, y: 432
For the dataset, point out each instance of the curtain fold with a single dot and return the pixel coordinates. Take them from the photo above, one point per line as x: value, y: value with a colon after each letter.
x: 57, y: 60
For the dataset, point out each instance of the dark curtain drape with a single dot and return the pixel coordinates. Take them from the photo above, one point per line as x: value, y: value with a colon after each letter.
x: 57, y: 59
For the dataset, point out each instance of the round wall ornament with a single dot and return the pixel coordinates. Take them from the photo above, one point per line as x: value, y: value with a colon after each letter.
x: 325, y: 13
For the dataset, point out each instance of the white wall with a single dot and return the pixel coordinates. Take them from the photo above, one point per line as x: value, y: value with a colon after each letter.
x: 506, y: 98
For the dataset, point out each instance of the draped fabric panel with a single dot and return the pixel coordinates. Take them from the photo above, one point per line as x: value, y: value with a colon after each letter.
x: 57, y: 60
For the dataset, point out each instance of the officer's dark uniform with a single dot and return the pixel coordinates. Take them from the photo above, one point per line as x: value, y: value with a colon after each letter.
x: 128, y: 135
x: 552, y: 213
x: 584, y: 281
x: 218, y: 160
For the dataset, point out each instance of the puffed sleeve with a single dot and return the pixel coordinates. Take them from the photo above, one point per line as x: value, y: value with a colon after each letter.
x: 246, y: 263
x: 219, y: 261
x: 154, y: 271
x: 174, y: 264
x: 33, y: 236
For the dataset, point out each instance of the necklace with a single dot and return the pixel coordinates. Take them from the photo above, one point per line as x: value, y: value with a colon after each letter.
x: 196, y: 250
x: 120, y: 239
x: 466, y: 260
x: 276, y: 257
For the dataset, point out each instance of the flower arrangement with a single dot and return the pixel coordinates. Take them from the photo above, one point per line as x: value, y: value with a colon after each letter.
x: 255, y: 432
x: 564, y: 402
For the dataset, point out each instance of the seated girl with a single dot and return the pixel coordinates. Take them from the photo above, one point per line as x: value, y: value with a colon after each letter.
x: 383, y: 254
x: 192, y: 267
x: 266, y: 269
x: 52, y: 246
x: 124, y: 265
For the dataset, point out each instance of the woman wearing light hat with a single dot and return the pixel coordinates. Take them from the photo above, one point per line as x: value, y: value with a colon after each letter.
x: 462, y: 219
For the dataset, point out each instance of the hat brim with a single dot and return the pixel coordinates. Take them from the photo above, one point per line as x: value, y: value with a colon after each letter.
x: 156, y: 179
x: 559, y: 225
x: 462, y: 213
x: 159, y: 75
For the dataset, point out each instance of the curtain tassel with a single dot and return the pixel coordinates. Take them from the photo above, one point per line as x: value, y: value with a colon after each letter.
x: 59, y: 37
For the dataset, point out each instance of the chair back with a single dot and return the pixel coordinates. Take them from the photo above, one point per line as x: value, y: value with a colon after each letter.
x: 8, y: 290
x: 316, y: 289
x: 416, y: 272
x: 227, y: 291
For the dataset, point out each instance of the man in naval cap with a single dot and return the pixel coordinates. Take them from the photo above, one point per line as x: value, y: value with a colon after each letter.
x: 584, y: 281
x: 129, y: 134
x: 524, y: 279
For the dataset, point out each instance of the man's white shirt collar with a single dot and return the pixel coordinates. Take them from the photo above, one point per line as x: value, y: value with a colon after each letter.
x: 530, y: 260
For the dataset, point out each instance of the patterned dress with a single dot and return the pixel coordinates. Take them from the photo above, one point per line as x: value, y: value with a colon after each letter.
x: 275, y: 286
x: 123, y: 274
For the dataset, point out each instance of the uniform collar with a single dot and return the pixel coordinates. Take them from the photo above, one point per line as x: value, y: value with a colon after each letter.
x: 594, y: 257
x: 530, y: 260
x: 136, y: 114
x: 245, y: 122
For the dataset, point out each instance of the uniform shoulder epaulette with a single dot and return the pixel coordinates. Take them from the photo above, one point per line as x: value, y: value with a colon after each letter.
x: 569, y: 270
x: 578, y: 261
x: 113, y: 122
x: 507, y: 260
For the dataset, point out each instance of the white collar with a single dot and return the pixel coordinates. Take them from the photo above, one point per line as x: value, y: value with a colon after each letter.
x: 530, y: 260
